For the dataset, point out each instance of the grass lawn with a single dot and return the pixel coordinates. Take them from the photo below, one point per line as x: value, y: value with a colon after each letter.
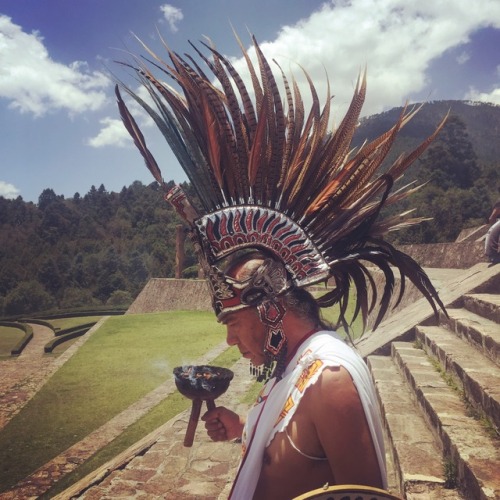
x: 161, y: 413
x: 9, y: 337
x: 63, y: 323
x: 124, y: 360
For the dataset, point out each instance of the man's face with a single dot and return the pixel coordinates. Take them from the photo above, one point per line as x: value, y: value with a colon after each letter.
x: 245, y: 330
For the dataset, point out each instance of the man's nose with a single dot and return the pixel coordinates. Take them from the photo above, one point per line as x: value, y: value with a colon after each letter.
x: 231, y: 339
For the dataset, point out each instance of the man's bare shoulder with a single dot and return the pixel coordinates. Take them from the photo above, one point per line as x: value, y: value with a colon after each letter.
x: 334, y: 396
x: 338, y: 417
x: 333, y: 379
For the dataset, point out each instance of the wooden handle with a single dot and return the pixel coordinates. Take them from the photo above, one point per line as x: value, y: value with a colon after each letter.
x: 193, y: 422
x: 210, y: 404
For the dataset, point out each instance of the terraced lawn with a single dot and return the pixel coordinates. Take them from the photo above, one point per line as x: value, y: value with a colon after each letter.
x: 125, y: 359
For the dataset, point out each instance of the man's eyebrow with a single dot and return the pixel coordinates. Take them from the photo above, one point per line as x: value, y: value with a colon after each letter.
x: 227, y: 318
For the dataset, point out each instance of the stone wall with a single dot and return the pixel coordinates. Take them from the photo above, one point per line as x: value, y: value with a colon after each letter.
x: 461, y: 255
x: 167, y: 294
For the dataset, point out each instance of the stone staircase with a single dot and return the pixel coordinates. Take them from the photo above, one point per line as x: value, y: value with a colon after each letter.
x: 439, y: 390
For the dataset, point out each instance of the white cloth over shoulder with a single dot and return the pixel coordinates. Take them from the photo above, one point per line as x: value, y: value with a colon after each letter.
x: 278, y: 402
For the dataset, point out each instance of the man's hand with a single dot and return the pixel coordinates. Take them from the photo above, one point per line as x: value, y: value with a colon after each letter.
x: 223, y: 424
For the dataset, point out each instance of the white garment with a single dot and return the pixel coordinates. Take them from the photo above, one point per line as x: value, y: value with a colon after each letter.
x: 492, y: 241
x: 279, y: 400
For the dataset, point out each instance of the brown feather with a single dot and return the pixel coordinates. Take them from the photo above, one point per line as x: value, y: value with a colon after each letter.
x: 138, y: 138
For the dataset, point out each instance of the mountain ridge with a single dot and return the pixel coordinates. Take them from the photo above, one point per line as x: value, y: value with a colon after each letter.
x: 102, y: 247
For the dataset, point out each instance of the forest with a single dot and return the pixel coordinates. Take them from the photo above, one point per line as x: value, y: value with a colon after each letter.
x: 85, y: 251
x: 99, y: 249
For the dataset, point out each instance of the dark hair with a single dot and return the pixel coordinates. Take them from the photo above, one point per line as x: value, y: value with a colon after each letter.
x: 303, y: 304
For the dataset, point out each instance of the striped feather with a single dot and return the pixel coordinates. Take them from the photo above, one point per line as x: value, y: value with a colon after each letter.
x: 138, y: 138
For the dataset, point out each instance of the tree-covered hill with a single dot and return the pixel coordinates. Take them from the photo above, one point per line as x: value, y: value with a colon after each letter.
x: 481, y: 121
x: 101, y: 248
x: 85, y: 251
x: 461, y: 167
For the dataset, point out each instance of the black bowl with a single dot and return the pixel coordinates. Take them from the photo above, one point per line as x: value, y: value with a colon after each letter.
x: 202, y: 382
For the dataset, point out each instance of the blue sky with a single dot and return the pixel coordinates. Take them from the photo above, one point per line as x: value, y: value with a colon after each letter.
x: 59, y: 125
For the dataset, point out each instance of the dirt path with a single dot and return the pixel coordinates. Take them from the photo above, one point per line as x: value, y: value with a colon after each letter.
x: 23, y: 376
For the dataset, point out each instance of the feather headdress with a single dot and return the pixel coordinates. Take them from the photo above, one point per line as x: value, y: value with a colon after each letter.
x: 269, y: 174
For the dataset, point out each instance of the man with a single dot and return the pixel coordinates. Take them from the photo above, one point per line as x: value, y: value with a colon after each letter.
x: 325, y: 436
x: 492, y: 241
x: 270, y: 177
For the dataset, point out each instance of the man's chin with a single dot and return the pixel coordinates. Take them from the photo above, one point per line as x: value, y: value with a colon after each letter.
x: 256, y: 360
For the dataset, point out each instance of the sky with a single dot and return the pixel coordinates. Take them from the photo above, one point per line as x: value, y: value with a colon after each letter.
x: 59, y: 125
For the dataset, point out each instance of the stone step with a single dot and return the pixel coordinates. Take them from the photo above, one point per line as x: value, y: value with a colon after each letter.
x: 159, y: 467
x: 467, y: 447
x: 478, y: 376
x: 416, y: 459
x: 490, y: 285
x: 486, y: 305
x: 480, y: 332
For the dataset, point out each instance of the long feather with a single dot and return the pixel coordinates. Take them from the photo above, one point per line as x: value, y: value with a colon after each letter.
x: 136, y: 134
x: 257, y: 149
x: 253, y: 75
x: 290, y: 129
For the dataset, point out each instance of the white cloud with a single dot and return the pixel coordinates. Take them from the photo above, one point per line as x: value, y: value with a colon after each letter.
x: 172, y: 15
x: 492, y: 97
x: 397, y: 40
x: 36, y: 84
x: 463, y: 57
x: 112, y: 133
x: 8, y: 191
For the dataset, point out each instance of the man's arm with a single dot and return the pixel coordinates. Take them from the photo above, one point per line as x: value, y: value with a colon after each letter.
x: 343, y: 431
x: 494, y: 214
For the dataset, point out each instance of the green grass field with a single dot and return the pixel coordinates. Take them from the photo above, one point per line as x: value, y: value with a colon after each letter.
x: 9, y: 337
x: 124, y: 360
